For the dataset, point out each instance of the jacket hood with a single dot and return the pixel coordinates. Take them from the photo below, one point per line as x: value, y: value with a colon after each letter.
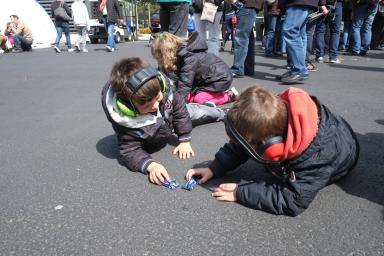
x: 303, y: 119
x: 196, y: 43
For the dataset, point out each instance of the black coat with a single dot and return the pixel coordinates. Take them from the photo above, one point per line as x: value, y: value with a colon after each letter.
x: 331, y: 155
x: 135, y: 143
x: 198, y: 70
x: 55, y: 5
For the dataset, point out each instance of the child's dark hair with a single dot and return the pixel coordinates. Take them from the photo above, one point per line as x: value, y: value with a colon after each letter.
x: 120, y: 74
x: 258, y: 114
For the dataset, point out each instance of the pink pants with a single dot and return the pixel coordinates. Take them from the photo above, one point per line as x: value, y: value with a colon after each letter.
x: 219, y: 98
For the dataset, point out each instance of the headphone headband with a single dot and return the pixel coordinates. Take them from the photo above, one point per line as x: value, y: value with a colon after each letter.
x: 234, y: 134
x: 139, y: 78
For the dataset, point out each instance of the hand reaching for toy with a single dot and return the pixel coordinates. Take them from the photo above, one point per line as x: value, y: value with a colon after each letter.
x: 184, y: 150
x: 205, y: 174
x: 157, y: 173
x: 226, y: 192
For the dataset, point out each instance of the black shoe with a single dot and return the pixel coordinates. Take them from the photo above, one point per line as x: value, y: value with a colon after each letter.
x: 280, y: 77
x: 363, y: 53
x: 17, y: 50
x: 235, y: 75
x: 293, y: 78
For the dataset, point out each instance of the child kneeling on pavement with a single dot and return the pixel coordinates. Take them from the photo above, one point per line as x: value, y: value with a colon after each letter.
x: 145, y: 112
x: 297, y: 139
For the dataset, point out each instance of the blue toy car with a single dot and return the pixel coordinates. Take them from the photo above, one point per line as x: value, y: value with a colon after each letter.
x: 189, y: 185
x: 171, y: 184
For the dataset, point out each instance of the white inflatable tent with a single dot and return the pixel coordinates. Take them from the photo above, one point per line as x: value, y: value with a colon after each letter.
x: 32, y: 14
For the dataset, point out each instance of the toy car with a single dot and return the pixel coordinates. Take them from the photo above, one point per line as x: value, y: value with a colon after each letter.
x: 189, y: 185
x: 171, y: 184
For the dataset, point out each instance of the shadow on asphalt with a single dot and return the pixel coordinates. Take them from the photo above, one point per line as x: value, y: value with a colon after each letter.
x: 360, y: 68
x: 366, y: 180
x: 108, y: 146
x: 380, y: 122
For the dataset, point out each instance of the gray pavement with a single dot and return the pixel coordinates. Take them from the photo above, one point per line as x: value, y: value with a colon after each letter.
x: 62, y: 191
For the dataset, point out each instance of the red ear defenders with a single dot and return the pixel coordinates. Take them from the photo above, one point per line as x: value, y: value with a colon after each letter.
x: 268, y: 153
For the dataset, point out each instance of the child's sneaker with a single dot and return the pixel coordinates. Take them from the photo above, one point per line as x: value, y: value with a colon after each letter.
x: 232, y: 93
x: 209, y: 104
x: 85, y: 50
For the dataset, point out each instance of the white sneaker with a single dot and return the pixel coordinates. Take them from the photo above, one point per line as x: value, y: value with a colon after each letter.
x: 1, y: 51
x: 209, y: 104
x: 71, y: 50
x: 85, y: 50
x: 77, y: 47
x: 320, y: 60
x: 232, y: 93
x: 335, y: 61
x: 109, y: 48
x: 56, y: 49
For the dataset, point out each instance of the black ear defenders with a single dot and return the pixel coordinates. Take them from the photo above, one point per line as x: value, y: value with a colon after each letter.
x: 134, y: 83
x: 268, y: 153
x: 138, y: 79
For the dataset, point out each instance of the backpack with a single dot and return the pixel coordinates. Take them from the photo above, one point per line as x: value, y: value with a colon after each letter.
x: 61, y: 14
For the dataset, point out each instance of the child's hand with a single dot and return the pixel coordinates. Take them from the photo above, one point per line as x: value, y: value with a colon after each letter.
x: 226, y: 192
x: 157, y: 173
x: 184, y: 150
x: 205, y: 174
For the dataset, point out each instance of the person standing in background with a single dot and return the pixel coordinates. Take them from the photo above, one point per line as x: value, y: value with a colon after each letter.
x: 61, y: 25
x: 111, y: 15
x: 81, y: 21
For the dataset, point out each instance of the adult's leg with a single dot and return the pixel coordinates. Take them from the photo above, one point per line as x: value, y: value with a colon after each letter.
x: 59, y: 31
x: 178, y: 19
x: 357, y: 23
x: 366, y: 34
x: 200, y: 25
x: 319, y: 39
x: 111, y: 39
x: 245, y: 20
x: 164, y: 16
x: 294, y: 32
x: 335, y: 24
x: 214, y: 34
x: 270, y: 37
x: 67, y: 35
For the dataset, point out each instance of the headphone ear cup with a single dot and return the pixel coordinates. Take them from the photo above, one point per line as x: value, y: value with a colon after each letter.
x: 125, y: 110
x: 272, y: 149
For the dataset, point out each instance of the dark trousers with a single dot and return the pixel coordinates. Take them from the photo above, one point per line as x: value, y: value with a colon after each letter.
x: 174, y: 18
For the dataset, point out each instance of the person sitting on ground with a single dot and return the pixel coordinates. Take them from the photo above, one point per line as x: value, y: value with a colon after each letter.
x: 146, y: 112
x: 299, y: 141
x: 5, y: 46
x: 22, y: 35
x: 8, y: 33
x: 199, y: 76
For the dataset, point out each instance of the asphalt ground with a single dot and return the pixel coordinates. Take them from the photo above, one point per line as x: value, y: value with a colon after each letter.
x: 62, y: 191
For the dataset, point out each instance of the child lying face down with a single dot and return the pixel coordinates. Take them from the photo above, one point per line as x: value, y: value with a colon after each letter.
x: 296, y: 138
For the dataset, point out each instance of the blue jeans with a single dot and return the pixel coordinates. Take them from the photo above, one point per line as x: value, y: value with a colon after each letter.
x: 362, y: 20
x: 271, y: 43
x: 111, y: 39
x: 22, y: 43
x: 344, y: 39
x: 229, y: 31
x: 334, y: 27
x: 60, y: 28
x: 202, y: 114
x: 246, y: 17
x: 295, y: 37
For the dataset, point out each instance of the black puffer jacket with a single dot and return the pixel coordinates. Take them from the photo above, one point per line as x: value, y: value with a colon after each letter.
x: 198, y: 70
x: 134, y: 143
x: 332, y: 154
x: 55, y: 5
